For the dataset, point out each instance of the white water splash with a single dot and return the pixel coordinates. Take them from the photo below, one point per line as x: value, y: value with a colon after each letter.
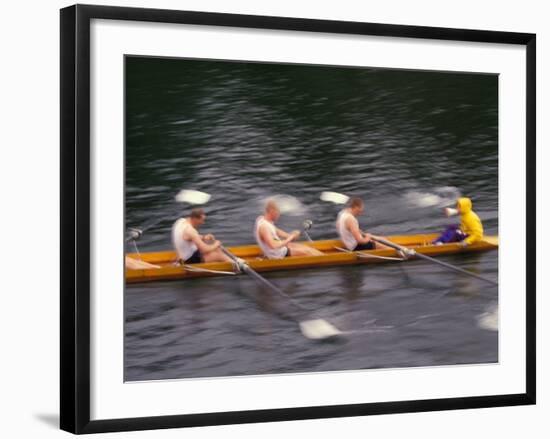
x: 422, y: 199
x: 288, y: 205
x: 438, y: 197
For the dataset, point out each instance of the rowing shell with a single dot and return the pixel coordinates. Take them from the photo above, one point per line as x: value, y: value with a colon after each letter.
x: 331, y: 257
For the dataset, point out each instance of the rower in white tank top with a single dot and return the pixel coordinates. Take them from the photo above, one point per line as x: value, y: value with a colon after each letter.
x: 270, y: 253
x: 345, y: 235
x: 184, y: 248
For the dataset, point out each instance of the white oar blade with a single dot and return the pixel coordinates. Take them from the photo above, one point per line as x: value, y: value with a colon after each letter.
x: 318, y: 329
x: 449, y: 211
x: 488, y: 321
x: 334, y: 197
x: 192, y: 197
x: 287, y: 204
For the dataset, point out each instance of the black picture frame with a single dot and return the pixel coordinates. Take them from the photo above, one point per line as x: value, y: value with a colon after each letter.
x: 75, y: 217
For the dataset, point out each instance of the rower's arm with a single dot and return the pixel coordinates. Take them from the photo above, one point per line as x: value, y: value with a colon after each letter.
x: 282, y: 234
x: 353, y: 227
x: 270, y: 242
x: 201, y: 245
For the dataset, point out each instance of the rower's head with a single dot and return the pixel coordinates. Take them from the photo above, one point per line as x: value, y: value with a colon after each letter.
x: 356, y: 206
x: 463, y: 205
x: 272, y: 212
x: 197, y: 217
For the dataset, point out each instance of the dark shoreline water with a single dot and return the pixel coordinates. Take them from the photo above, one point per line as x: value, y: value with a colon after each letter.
x: 409, y: 143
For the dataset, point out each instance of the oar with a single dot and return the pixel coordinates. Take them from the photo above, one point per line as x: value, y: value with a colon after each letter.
x: 412, y: 252
x: 362, y: 255
x: 311, y: 328
x: 337, y: 198
x: 192, y: 197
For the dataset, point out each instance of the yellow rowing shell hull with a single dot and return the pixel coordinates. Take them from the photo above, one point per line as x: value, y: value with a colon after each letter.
x: 331, y: 257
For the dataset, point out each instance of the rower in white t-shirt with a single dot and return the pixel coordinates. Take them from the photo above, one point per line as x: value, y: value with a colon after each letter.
x: 348, y: 229
x: 192, y: 248
x: 274, y: 242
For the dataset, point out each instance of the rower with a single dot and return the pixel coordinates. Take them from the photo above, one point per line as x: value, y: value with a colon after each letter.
x: 192, y: 248
x: 274, y: 242
x: 347, y: 227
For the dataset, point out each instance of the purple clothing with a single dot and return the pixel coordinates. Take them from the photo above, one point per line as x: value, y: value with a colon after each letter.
x: 451, y: 234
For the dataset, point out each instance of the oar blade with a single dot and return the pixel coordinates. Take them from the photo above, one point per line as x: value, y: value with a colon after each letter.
x: 334, y: 197
x: 318, y: 329
x: 314, y: 329
x: 288, y: 204
x: 192, y: 197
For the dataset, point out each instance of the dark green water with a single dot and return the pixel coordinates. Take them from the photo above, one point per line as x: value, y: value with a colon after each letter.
x: 407, y: 142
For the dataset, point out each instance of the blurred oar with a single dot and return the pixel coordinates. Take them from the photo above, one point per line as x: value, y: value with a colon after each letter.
x: 316, y: 329
x: 192, y: 197
x: 334, y: 197
x: 337, y: 198
x: 412, y: 252
x: 362, y: 255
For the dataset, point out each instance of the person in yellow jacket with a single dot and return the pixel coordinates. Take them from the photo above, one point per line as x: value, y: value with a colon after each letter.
x: 470, y: 224
x: 470, y: 229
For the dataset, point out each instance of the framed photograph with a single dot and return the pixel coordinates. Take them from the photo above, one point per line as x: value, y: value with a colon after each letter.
x: 267, y: 219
